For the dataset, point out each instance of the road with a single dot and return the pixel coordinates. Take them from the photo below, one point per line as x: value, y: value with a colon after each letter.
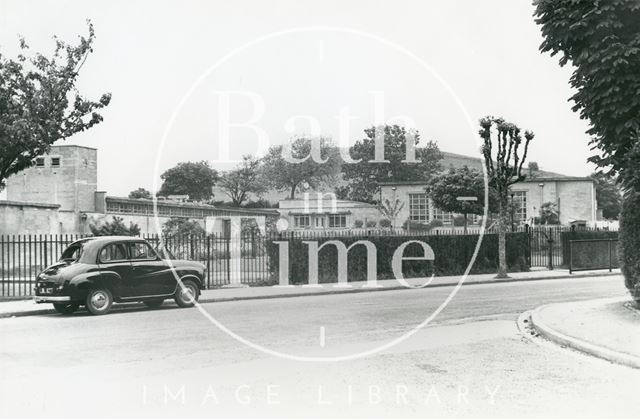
x: 470, y: 361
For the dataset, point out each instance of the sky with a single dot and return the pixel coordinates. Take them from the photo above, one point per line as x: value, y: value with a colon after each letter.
x: 186, y: 75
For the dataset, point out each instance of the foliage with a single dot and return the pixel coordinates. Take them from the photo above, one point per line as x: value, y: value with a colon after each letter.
x: 549, y: 213
x: 178, y: 227
x: 259, y: 203
x: 630, y: 242
x: 458, y: 220
x: 195, y: 179
x: 364, y: 177
x: 445, y: 190
x: 115, y: 227
x: 241, y: 181
x: 504, y: 168
x: 608, y: 196
x: 281, y: 174
x: 390, y: 210
x: 371, y: 223
x: 601, y: 39
x: 385, y: 223
x: 358, y: 223
x: 416, y: 226
x: 452, y: 255
x: 39, y: 102
x: 140, y: 193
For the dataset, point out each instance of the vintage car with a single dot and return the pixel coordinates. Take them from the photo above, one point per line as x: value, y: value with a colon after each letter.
x: 98, y: 271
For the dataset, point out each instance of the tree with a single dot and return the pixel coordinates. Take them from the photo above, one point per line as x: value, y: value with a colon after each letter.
x: 39, y: 102
x: 363, y: 178
x: 195, y: 179
x: 177, y: 226
x: 281, y: 173
x: 239, y: 182
x: 549, y: 213
x: 601, y: 39
x: 608, y: 196
x: 140, y: 193
x: 115, y: 228
x: 445, y: 190
x: 504, y: 168
x: 390, y: 210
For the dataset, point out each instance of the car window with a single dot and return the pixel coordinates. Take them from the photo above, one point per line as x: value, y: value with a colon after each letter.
x: 141, y: 251
x: 113, y: 252
x: 72, y: 252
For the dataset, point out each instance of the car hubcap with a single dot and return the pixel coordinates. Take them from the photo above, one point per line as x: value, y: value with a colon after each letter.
x: 188, y: 294
x: 99, y: 300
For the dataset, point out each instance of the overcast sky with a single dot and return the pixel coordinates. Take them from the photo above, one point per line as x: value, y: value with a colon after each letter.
x: 434, y: 62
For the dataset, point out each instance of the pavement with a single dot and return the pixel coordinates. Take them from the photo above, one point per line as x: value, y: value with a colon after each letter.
x: 605, y: 328
x: 15, y: 308
x: 470, y: 361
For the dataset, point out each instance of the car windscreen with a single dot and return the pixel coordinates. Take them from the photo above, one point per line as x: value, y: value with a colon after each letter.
x: 163, y: 252
x: 72, y: 253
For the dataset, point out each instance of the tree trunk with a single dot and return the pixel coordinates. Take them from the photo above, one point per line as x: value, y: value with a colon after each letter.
x: 502, y: 241
x: 293, y: 192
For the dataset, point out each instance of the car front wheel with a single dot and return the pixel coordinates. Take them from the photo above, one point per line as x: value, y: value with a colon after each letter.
x: 187, y: 294
x: 99, y: 301
x: 66, y: 308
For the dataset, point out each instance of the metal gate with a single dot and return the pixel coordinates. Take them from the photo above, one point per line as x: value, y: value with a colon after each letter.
x: 545, y: 247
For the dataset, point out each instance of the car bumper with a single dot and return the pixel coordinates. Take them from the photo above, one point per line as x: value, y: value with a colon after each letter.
x: 51, y: 298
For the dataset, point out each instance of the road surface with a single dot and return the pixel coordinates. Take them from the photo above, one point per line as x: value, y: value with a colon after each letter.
x: 470, y: 361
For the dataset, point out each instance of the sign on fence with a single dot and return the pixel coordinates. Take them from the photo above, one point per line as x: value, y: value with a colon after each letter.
x: 593, y: 254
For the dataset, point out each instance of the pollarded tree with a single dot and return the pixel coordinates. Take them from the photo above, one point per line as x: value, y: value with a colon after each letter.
x: 363, y: 178
x: 243, y: 180
x: 39, y: 103
x: 505, y: 152
x: 195, y: 179
x: 289, y: 168
x: 390, y: 210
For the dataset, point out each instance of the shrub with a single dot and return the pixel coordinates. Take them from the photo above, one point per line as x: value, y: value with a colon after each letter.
x: 371, y: 223
x: 358, y: 223
x: 436, y: 223
x: 458, y: 220
x: 629, y: 250
x: 115, y: 228
x: 385, y: 223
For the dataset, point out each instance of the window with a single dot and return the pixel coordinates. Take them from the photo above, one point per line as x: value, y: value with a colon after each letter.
x: 519, y: 206
x: 72, y: 253
x: 141, y: 251
x: 39, y: 161
x: 302, y: 221
x: 112, y: 253
x: 55, y: 161
x: 337, y: 221
x: 445, y: 217
x: 418, y: 207
x: 319, y: 221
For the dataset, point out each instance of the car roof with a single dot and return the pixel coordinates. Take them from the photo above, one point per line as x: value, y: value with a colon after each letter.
x: 91, y: 245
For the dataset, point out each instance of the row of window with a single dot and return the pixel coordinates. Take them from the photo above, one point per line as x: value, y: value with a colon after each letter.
x: 333, y: 221
x: 419, y: 209
x: 40, y: 161
x: 164, y: 210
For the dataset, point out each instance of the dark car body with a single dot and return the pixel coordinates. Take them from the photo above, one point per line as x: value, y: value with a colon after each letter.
x: 128, y: 267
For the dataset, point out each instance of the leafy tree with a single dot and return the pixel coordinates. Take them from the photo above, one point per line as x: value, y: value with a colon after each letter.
x: 39, y: 102
x: 363, y: 177
x: 608, y: 196
x: 195, y: 179
x: 116, y: 227
x: 601, y: 39
x: 504, y: 155
x: 281, y: 174
x: 177, y: 226
x: 462, y: 182
x: 549, y: 213
x: 390, y: 210
x: 140, y: 193
x: 239, y: 182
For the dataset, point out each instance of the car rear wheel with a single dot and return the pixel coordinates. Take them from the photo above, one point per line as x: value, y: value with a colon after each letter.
x: 187, y: 294
x: 153, y: 303
x: 99, y: 301
x: 66, y: 308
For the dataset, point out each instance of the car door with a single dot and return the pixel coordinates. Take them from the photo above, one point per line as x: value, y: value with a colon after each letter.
x: 152, y: 274
x: 113, y: 259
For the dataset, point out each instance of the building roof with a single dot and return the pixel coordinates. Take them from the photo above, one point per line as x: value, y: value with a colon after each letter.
x: 210, y: 208
x: 29, y: 204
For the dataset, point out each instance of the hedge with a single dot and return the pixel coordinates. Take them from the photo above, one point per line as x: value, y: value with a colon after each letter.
x: 629, y: 250
x: 452, y: 255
